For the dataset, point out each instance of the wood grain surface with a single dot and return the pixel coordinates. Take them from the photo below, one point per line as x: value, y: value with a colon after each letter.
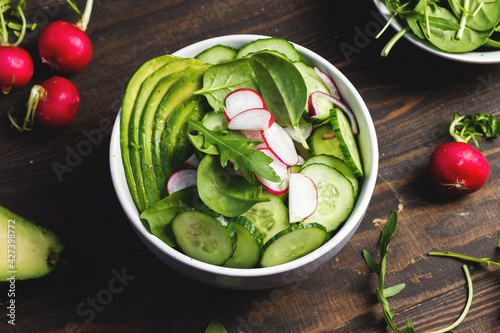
x: 410, y: 95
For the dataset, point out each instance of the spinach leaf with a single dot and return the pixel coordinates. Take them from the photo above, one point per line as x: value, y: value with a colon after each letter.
x: 219, y: 80
x: 224, y: 191
x: 481, y: 15
x: 237, y: 148
x: 282, y: 87
x: 447, y: 41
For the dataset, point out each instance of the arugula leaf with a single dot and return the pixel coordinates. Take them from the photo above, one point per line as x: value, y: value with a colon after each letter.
x: 238, y: 149
x: 467, y: 127
x: 379, y: 268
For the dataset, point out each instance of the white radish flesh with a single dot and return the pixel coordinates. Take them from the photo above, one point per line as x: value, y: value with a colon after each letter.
x: 327, y: 80
x: 181, y: 179
x: 241, y: 100
x: 281, y: 144
x: 252, y: 119
x: 302, y: 197
x: 278, y: 188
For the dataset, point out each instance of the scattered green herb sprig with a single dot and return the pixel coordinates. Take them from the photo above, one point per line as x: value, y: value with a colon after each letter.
x: 383, y: 293
x: 215, y: 327
x: 453, y: 26
x: 467, y: 127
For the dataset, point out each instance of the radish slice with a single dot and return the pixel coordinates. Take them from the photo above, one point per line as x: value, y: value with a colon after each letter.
x: 338, y: 103
x: 193, y: 161
x: 252, y: 135
x: 305, y: 127
x: 181, y: 179
x: 278, y: 188
x: 240, y: 100
x: 301, y: 160
x: 302, y: 197
x: 281, y: 144
x: 327, y: 80
x: 252, y: 119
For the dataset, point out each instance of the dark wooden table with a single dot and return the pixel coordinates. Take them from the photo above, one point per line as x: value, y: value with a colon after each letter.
x: 410, y: 95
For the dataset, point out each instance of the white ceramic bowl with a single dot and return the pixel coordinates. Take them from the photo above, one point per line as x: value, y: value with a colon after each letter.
x: 475, y: 57
x: 260, y: 278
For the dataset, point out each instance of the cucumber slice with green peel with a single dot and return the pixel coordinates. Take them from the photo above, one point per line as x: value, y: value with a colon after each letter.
x: 217, y: 54
x: 270, y: 217
x: 347, y: 141
x: 248, y: 246
x: 335, y: 195
x: 338, y: 164
x: 321, y: 142
x: 292, y: 243
x: 274, y: 44
x: 204, y: 236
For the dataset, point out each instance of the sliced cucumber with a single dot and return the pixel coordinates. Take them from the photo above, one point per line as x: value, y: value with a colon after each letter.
x: 274, y: 44
x: 335, y: 195
x: 338, y: 164
x: 292, y: 243
x: 248, y: 246
x: 319, y: 145
x: 270, y: 217
x: 215, y: 120
x: 217, y: 54
x: 204, y: 236
x: 347, y: 141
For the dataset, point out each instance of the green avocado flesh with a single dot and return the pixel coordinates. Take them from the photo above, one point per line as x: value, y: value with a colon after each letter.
x: 27, y: 250
x: 158, y: 89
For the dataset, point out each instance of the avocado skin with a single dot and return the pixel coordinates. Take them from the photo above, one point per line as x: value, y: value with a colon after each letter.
x: 28, y: 250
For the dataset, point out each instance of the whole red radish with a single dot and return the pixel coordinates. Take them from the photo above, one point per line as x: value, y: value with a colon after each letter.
x: 53, y: 105
x: 457, y: 168
x: 16, y: 68
x: 65, y: 46
x: 16, y: 65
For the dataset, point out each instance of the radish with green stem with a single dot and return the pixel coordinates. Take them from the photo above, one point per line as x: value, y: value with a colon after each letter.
x: 16, y: 64
x: 65, y: 46
x: 53, y: 104
x: 457, y: 168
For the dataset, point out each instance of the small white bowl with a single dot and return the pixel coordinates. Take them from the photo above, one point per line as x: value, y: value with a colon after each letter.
x: 475, y: 57
x: 269, y: 277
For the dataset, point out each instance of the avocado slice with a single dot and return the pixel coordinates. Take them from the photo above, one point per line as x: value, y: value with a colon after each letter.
x: 163, y: 89
x: 27, y: 250
x: 129, y: 100
x: 175, y: 145
x: 179, y: 92
x: 149, y: 97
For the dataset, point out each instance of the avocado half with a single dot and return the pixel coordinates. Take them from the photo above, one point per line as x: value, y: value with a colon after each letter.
x: 27, y: 250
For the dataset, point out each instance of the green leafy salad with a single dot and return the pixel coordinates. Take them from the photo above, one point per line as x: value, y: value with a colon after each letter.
x: 239, y: 157
x: 454, y: 26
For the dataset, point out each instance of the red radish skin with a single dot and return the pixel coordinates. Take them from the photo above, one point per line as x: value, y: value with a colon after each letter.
x: 16, y: 68
x: 65, y: 47
x: 58, y: 104
x: 457, y: 168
